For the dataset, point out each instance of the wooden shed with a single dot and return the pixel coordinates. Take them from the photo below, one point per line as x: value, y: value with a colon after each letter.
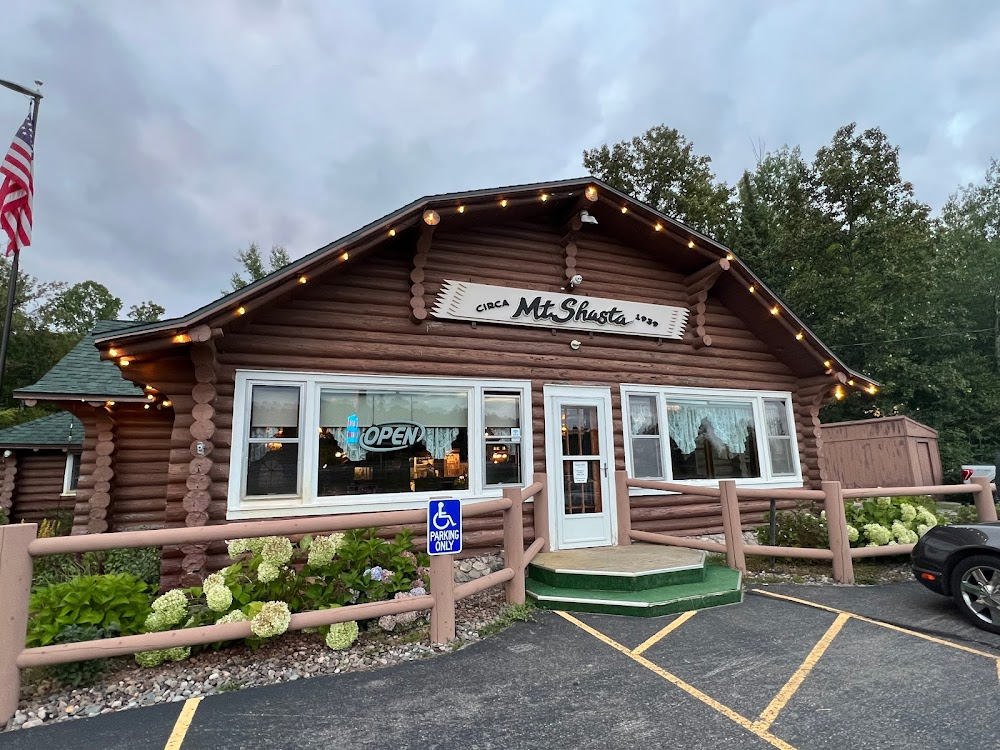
x: 884, y: 452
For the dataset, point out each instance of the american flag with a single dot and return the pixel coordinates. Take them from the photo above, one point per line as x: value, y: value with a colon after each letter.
x: 18, y: 188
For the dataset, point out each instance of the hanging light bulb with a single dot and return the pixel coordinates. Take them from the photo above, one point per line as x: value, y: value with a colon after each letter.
x: 658, y: 227
x: 503, y: 203
x: 799, y: 336
x: 392, y: 232
x: 775, y: 310
x: 432, y: 218
x: 461, y: 209
x: 624, y: 209
x: 590, y: 193
x: 543, y: 197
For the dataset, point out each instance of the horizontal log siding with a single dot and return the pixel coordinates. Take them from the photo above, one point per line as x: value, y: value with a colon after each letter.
x: 359, y: 321
x: 142, y: 458
x: 38, y: 486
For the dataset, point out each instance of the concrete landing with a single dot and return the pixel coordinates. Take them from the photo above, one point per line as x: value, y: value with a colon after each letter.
x: 630, y: 560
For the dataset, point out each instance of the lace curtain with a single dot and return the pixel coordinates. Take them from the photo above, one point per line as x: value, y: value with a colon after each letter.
x: 438, y: 440
x: 724, y: 427
x: 354, y: 452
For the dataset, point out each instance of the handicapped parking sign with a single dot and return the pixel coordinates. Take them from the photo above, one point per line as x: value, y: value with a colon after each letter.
x: 444, y: 527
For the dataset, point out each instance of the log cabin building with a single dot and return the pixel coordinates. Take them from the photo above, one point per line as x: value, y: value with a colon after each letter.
x: 464, y: 343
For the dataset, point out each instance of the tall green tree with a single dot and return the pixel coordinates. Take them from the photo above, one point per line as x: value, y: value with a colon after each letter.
x: 253, y: 267
x: 77, y: 309
x: 146, y: 312
x: 661, y: 168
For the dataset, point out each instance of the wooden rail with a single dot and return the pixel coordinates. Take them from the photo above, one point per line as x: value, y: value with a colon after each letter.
x: 19, y: 545
x: 840, y: 553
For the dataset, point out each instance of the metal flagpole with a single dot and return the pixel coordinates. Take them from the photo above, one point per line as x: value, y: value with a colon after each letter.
x: 36, y: 97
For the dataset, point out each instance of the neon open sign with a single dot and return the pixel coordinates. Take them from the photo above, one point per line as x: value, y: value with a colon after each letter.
x: 391, y: 436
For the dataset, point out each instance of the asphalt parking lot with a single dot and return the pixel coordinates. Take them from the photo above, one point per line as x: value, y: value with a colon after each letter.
x: 793, y: 667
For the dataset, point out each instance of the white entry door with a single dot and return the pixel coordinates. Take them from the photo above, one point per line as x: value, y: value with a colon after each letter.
x: 580, y: 466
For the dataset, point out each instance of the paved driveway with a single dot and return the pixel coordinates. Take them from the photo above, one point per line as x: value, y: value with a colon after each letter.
x: 788, y: 668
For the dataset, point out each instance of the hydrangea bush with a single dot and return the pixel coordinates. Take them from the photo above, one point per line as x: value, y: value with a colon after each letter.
x: 873, y: 522
x: 270, y: 579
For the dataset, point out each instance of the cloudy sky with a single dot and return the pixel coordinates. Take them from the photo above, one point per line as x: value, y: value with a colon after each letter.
x: 173, y: 133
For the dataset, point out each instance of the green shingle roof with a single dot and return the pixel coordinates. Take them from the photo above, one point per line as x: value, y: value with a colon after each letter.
x: 59, y: 430
x: 82, y: 373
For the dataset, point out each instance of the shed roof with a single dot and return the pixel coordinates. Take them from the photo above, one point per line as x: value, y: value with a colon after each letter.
x: 59, y: 430
x: 83, y: 375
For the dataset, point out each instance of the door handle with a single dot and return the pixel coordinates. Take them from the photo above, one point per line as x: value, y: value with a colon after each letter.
x: 604, y: 466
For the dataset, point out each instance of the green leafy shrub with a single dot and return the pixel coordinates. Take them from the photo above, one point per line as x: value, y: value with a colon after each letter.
x: 143, y: 563
x: 801, y: 527
x: 98, y: 600
x: 54, y: 569
x: 271, y: 579
x: 967, y: 514
x: 872, y: 522
x: 76, y: 674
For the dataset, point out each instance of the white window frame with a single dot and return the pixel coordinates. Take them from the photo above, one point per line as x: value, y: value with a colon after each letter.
x: 767, y: 479
x: 306, y: 501
x: 72, y: 461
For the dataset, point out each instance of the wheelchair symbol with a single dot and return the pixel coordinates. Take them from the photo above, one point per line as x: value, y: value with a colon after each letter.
x: 441, y: 520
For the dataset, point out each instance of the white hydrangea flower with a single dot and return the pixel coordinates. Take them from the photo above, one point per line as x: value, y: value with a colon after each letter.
x: 266, y: 572
x: 168, y: 610
x: 273, y: 619
x: 903, y: 535
x: 908, y: 512
x: 852, y: 533
x: 276, y: 550
x: 342, y: 635
x: 922, y: 529
x: 235, y: 616
x: 924, y: 516
x: 323, y: 548
x: 213, y: 581
x: 877, y: 534
x: 219, y: 598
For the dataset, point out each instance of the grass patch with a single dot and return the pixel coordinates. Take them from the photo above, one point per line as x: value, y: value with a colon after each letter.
x: 510, y: 614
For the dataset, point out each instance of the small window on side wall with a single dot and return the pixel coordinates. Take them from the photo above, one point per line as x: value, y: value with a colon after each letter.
x: 71, y: 477
x: 502, y: 421
x: 779, y: 437
x: 273, y: 444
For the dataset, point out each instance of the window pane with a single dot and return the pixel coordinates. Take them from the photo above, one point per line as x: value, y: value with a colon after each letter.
x: 642, y: 415
x: 585, y: 496
x: 502, y: 410
x: 503, y: 463
x: 274, y: 411
x: 781, y: 455
x: 392, y: 441
x: 74, y: 475
x: 579, y: 431
x: 712, y: 440
x: 777, y: 417
x: 272, y: 468
x: 646, y: 462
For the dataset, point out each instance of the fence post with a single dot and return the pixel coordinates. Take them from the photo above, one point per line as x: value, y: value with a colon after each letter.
x: 513, y: 545
x: 540, y: 510
x: 732, y: 525
x: 15, y: 592
x: 836, y: 524
x: 624, y: 509
x: 985, y: 509
x: 443, y: 589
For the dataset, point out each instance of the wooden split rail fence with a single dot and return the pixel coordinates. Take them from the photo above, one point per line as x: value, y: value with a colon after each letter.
x: 19, y: 545
x: 832, y: 496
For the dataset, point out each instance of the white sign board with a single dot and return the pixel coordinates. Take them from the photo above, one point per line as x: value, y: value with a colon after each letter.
x: 580, y: 472
x: 463, y: 300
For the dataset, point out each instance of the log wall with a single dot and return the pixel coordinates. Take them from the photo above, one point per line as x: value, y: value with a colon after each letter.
x: 362, y: 321
x: 141, y: 461
x: 38, y: 487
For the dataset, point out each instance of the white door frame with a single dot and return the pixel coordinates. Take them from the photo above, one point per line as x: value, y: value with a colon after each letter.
x: 553, y: 459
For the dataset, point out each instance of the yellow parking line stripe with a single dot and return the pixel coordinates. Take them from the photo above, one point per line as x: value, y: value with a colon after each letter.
x: 182, y: 724
x: 689, y: 689
x: 862, y: 618
x: 653, y: 640
x: 769, y: 714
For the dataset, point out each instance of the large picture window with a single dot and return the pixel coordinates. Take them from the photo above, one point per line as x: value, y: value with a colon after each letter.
x: 330, y: 443
x: 703, y: 435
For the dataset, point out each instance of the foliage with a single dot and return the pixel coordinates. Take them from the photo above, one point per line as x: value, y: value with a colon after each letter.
x: 510, y: 614
x: 271, y: 579
x: 142, y: 563
x: 99, y: 600
x: 802, y: 527
x: 77, y: 310
x: 966, y: 514
x: 252, y: 264
x: 872, y: 522
x: 146, y: 312
x: 661, y: 168
x: 77, y: 674
x: 907, y: 299
x: 56, y: 569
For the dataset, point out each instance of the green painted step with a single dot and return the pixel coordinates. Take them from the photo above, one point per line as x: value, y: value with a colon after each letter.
x: 592, y: 580
x: 721, y: 586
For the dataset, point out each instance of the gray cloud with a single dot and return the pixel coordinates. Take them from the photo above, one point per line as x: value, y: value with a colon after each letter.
x: 174, y: 133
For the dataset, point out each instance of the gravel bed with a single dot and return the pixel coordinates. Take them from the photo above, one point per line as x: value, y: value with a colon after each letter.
x: 294, y: 656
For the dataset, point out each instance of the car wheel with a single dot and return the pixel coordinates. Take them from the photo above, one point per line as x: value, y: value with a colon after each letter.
x: 975, y: 586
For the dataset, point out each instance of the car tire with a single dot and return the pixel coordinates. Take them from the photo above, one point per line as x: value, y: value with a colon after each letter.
x: 975, y: 587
